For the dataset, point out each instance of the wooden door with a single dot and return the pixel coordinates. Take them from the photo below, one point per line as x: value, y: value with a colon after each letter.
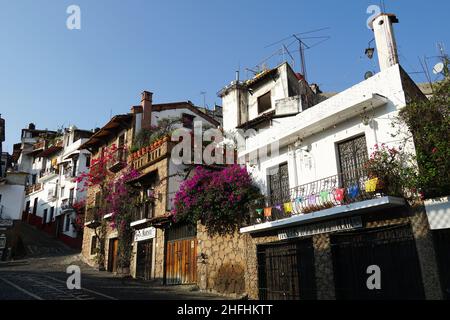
x: 181, y: 262
x: 113, y: 254
x: 144, y: 260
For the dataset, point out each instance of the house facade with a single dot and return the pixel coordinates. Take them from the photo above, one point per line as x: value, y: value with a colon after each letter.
x: 323, y: 225
x: 52, y: 161
x: 158, y: 246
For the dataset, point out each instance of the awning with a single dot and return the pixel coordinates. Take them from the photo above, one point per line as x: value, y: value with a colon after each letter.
x: 71, y: 155
x: 356, y: 208
x: 49, y: 151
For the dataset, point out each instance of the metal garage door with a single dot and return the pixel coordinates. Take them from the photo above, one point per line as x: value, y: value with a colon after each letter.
x: 392, y: 249
x: 286, y: 271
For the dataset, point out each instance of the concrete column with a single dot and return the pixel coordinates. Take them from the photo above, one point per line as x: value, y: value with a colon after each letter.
x: 323, y: 267
x: 426, y: 253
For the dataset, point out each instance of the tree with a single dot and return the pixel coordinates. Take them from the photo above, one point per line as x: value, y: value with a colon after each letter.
x: 429, y: 123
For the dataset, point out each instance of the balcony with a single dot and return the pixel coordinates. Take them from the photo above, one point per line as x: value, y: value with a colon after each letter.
x: 118, y: 160
x: 151, y: 154
x: 33, y: 188
x: 92, y: 219
x: 52, y: 196
x: 143, y: 214
x: 66, y: 205
x: 40, y: 145
x: 47, y: 174
x: 341, y: 195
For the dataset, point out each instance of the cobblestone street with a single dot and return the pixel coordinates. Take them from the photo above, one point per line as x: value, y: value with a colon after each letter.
x: 45, y: 279
x: 41, y: 275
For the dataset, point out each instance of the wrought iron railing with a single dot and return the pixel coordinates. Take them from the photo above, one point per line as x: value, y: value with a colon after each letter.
x: 340, y: 189
x: 33, y: 188
x: 66, y: 204
x: 118, y: 159
x: 47, y: 172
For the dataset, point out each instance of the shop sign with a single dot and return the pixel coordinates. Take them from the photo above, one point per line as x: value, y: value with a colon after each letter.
x: 6, y: 223
x: 144, y: 234
x: 319, y: 228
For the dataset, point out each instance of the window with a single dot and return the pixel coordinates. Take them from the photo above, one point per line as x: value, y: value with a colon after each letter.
x: 264, y: 102
x: 62, y: 192
x: 187, y: 120
x: 74, y: 168
x: 35, y: 203
x: 93, y: 245
x: 71, y: 195
x: 88, y: 161
x: 278, y: 181
x: 352, y: 157
x: 67, y: 227
x: 52, y: 214
x: 44, y: 218
x: 33, y: 179
x: 27, y: 206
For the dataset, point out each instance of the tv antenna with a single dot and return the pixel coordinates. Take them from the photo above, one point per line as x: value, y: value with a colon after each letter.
x: 203, y: 93
x: 302, y: 45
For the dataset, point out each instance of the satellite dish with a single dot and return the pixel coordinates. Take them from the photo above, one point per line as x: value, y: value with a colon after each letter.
x: 368, y: 74
x: 438, y: 68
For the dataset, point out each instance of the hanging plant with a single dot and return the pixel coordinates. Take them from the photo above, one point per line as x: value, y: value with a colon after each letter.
x: 218, y: 199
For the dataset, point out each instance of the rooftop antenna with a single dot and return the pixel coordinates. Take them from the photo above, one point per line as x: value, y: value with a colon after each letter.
x: 300, y: 39
x: 203, y: 93
x: 442, y: 67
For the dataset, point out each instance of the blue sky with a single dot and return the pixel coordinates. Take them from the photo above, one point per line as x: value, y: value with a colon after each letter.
x: 56, y: 77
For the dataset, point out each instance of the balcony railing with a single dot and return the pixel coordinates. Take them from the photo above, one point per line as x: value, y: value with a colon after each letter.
x: 48, y: 172
x: 118, y: 160
x: 39, y: 145
x: 33, y: 188
x: 51, y: 196
x: 151, y: 154
x: 340, y: 189
x: 67, y: 205
x: 143, y: 212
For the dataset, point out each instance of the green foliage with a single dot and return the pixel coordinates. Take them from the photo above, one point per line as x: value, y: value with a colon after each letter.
x: 394, y: 169
x: 149, y: 135
x: 429, y: 123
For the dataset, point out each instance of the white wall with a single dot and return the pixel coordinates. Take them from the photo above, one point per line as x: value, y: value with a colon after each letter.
x: 321, y: 161
x: 12, y: 201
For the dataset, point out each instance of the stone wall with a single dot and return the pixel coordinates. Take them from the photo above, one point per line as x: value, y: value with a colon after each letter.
x: 324, y: 274
x: 221, y: 263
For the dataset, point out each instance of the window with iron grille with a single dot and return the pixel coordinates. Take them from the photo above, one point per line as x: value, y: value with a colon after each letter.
x: 352, y: 157
x: 278, y: 183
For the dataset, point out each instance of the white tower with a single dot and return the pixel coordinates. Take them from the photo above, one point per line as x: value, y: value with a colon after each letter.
x: 382, y: 26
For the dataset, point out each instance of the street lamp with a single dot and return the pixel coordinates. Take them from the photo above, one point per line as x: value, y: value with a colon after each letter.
x: 370, y: 50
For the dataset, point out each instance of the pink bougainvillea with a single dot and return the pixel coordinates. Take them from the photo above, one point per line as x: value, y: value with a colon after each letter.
x: 219, y: 199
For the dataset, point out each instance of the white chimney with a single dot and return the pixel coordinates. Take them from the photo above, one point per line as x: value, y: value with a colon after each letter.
x: 382, y: 26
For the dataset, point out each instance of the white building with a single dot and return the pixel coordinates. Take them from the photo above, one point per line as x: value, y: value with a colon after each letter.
x: 53, y: 161
x: 318, y: 206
